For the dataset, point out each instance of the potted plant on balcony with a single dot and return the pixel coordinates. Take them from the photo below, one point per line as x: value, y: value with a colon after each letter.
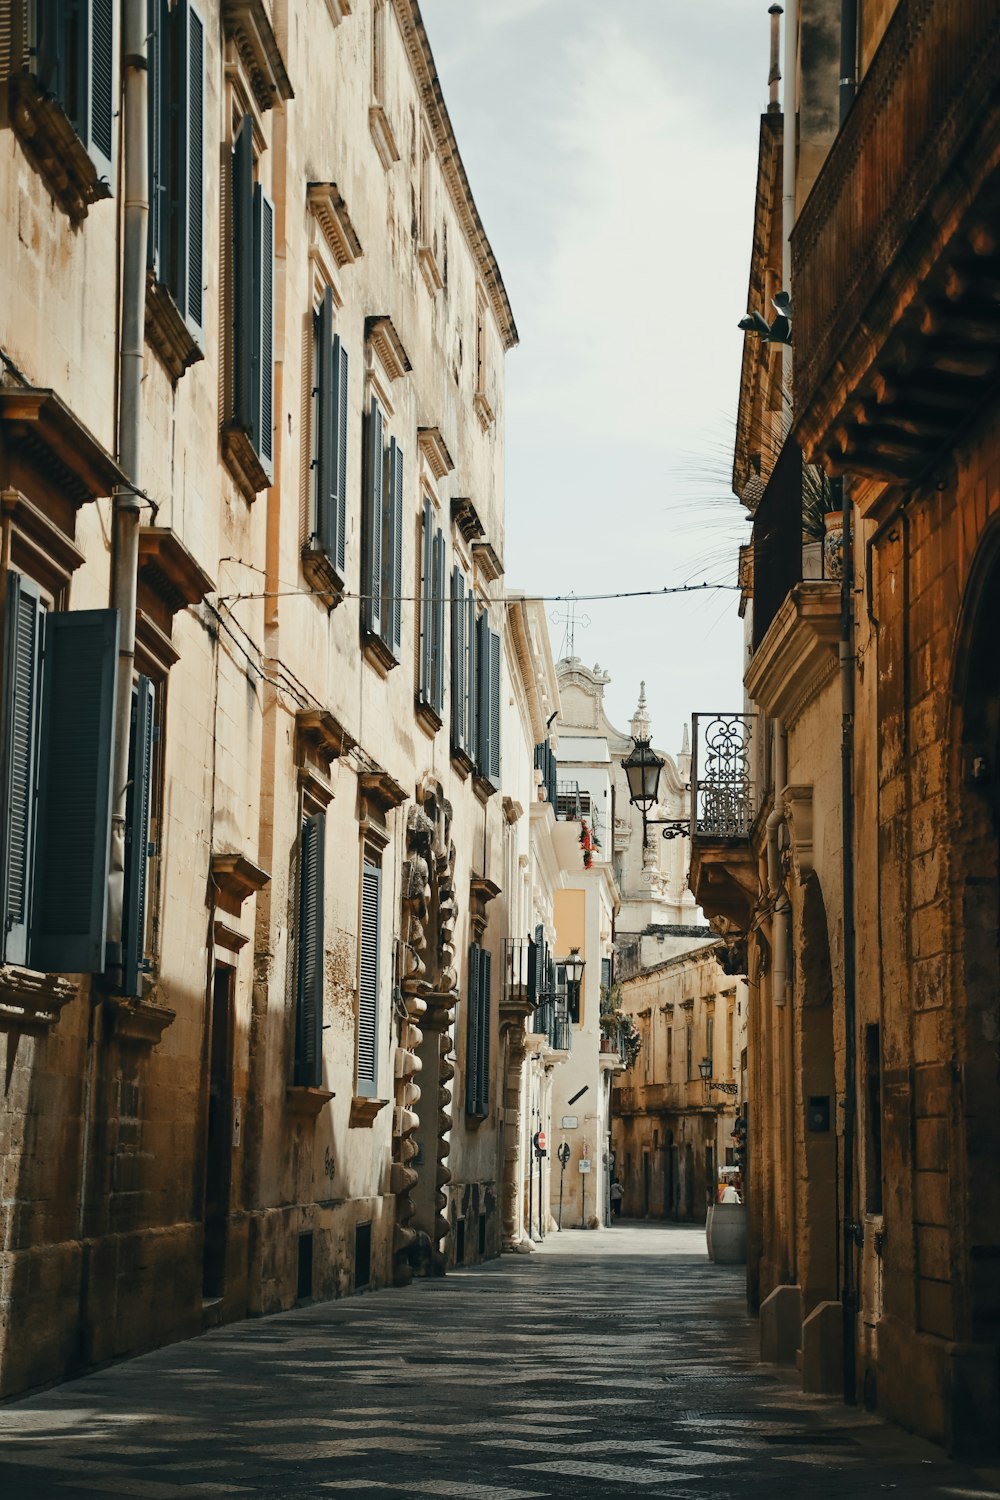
x: 822, y: 525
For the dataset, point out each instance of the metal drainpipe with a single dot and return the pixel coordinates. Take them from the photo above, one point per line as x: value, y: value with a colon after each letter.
x: 788, y: 163
x: 127, y: 512
x: 848, y: 1291
x: 848, y: 56
x: 779, y: 974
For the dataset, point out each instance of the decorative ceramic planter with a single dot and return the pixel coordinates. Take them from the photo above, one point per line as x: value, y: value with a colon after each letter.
x: 833, y: 544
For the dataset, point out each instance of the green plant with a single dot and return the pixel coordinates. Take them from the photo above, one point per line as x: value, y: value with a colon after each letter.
x: 819, y: 498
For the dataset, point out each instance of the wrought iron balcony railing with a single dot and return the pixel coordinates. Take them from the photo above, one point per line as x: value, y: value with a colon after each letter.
x: 522, y: 978
x: 571, y: 803
x: 724, y: 792
x: 551, y: 1020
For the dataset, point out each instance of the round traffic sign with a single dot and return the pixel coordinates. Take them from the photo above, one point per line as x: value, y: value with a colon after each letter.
x: 540, y: 1140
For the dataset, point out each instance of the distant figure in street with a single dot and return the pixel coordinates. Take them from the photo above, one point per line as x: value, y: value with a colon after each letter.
x: 729, y: 1194
x: 617, y: 1192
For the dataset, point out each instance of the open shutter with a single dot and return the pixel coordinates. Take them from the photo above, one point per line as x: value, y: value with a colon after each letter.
x: 426, y: 605
x: 193, y: 66
x: 328, y: 436
x: 392, y: 564
x: 138, y: 799
x: 371, y: 520
x: 533, y: 967
x: 21, y: 707
x: 493, y: 767
x: 472, y: 1034
x: 471, y: 683
x: 458, y: 614
x: 338, y: 553
x: 485, y: 1022
x: 309, y: 991
x: 368, y: 980
x: 49, y: 40
x: 243, y: 278
x: 263, y: 341
x: 73, y: 840
x: 483, y: 693
x: 175, y: 199
x: 437, y: 651
x: 100, y: 91
x: 158, y: 92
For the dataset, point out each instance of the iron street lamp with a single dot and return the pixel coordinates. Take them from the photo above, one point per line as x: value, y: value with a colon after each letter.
x: 574, y: 966
x: 705, y: 1069
x: 642, y: 769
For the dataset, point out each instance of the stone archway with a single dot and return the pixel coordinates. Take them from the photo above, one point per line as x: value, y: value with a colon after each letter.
x: 426, y: 1007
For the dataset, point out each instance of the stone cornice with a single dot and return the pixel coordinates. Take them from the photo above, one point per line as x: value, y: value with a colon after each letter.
x: 798, y: 654
x: 382, y: 335
x: 422, y: 62
x: 435, y: 450
x: 247, y: 22
x: 327, y: 206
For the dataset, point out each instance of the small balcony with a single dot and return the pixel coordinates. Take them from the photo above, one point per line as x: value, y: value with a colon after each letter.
x: 895, y: 256
x: 551, y: 1021
x: 572, y: 805
x: 725, y: 799
x: 790, y: 535
x: 521, y: 975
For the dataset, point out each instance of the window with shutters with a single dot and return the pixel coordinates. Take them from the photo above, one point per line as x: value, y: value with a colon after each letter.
x: 478, y: 1032
x: 369, y: 978
x: 382, y: 541
x: 484, y: 699
x: 433, y: 591
x: 248, y: 441
x: 308, y: 1070
x: 63, y: 95
x: 461, y: 599
x: 325, y: 552
x: 379, y: 124
x: 176, y: 282
x: 481, y: 405
x: 56, y: 762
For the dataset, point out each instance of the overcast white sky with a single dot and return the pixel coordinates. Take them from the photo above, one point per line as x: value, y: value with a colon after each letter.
x: 611, y: 149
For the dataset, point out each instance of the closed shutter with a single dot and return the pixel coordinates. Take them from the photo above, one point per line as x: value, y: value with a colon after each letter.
x: 74, y: 807
x: 193, y: 70
x: 392, y: 565
x: 243, y: 278
x: 338, y: 547
x: 328, y: 437
x: 485, y: 1024
x: 371, y: 520
x: 368, y: 980
x: 138, y: 800
x: 157, y: 19
x: 471, y: 685
x: 458, y: 690
x: 426, y: 605
x: 309, y: 988
x: 493, y: 767
x: 533, y: 966
x: 472, y: 1033
x: 51, y: 17
x: 23, y: 629
x: 263, y: 344
x: 437, y: 652
x: 100, y: 92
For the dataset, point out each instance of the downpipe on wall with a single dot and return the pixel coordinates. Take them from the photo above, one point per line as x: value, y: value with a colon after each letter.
x: 849, y: 1291
x: 781, y: 907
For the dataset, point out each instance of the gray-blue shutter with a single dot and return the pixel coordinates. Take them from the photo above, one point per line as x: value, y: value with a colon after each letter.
x: 485, y: 1023
x: 339, y: 540
x: 50, y: 25
x: 493, y: 766
x: 137, y: 809
x: 328, y: 436
x: 158, y: 92
x: 425, y: 690
x: 263, y: 344
x: 472, y: 1034
x: 73, y: 839
x: 471, y: 683
x: 458, y: 669
x: 483, y: 694
x: 192, y: 70
x: 23, y: 632
x: 371, y: 520
x: 243, y: 278
x: 309, y: 987
x: 100, y: 92
x: 392, y: 564
x: 175, y: 143
x: 437, y: 633
x: 534, y: 964
x: 368, y: 980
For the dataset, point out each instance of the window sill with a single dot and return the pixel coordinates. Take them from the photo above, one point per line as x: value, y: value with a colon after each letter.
x: 243, y: 463
x: 378, y: 655
x: 462, y: 763
x: 429, y: 269
x: 321, y: 575
x: 364, y: 1111
x: 139, y: 1021
x: 428, y: 718
x: 167, y: 331
x: 483, y: 787
x: 385, y: 141
x: 54, y: 148
x: 483, y: 410
x: 305, y: 1101
x: 31, y: 1001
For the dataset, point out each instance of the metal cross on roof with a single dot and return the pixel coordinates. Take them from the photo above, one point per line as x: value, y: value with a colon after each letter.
x: 570, y: 620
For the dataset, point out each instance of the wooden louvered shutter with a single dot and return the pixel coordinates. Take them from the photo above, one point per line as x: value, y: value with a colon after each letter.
x: 100, y: 86
x: 309, y: 988
x: 534, y: 958
x: 50, y: 27
x: 483, y: 694
x: 328, y: 437
x: 158, y: 93
x: 137, y: 809
x: 263, y: 343
x: 243, y: 279
x: 471, y: 684
x: 192, y: 66
x: 426, y: 605
x: 472, y: 1033
x: 338, y: 549
x: 371, y: 520
x: 392, y: 562
x: 437, y: 630
x: 458, y: 616
x: 73, y: 840
x: 23, y: 629
x: 485, y: 1023
x: 368, y: 980
x: 493, y: 767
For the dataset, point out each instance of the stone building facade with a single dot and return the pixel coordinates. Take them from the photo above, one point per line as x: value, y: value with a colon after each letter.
x: 863, y: 878
x: 251, y: 398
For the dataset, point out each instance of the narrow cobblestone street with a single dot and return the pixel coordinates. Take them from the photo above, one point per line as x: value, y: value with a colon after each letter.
x: 617, y: 1363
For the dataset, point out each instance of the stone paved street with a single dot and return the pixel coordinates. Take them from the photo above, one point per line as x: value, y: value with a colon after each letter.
x: 617, y: 1363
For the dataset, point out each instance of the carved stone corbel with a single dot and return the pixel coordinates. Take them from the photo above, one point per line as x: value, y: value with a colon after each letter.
x: 798, y: 802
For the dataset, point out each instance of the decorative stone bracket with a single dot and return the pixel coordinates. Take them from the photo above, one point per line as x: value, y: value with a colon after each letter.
x: 139, y: 1022
x: 364, y: 1111
x: 31, y: 1001
x: 798, y: 802
x: 235, y: 878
